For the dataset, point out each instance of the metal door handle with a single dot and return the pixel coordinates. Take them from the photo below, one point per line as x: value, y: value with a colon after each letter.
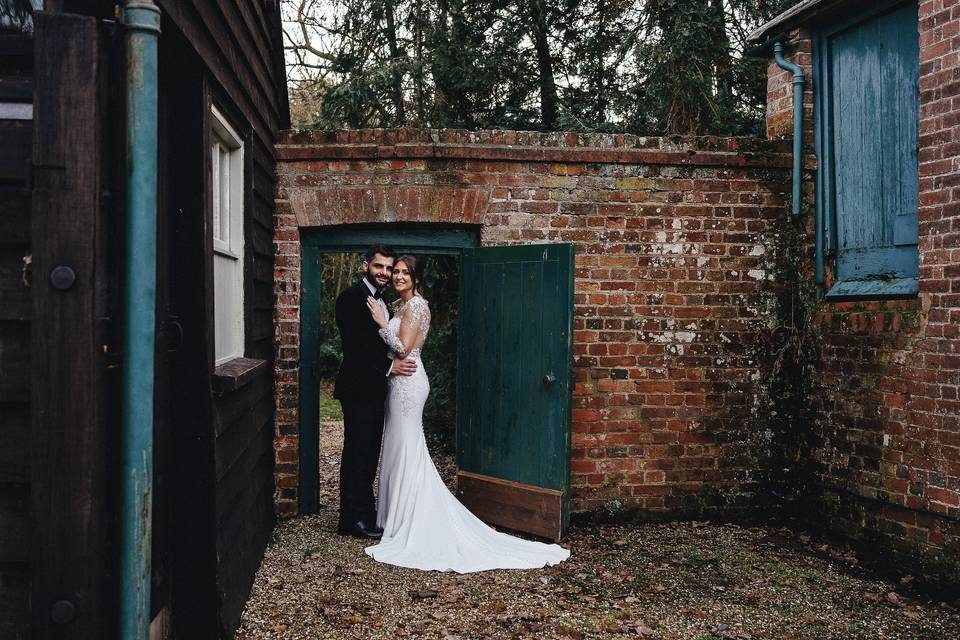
x: 549, y: 379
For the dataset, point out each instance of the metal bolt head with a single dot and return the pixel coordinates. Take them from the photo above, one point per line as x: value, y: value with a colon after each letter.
x: 62, y: 612
x: 62, y: 278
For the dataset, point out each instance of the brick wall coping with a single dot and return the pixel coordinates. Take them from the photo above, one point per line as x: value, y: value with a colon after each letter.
x: 529, y: 146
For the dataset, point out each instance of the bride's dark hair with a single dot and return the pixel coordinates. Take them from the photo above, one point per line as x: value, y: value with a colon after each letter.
x: 411, y: 261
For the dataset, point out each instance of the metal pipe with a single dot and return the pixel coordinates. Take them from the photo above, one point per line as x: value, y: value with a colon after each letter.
x: 142, y: 27
x: 798, y: 80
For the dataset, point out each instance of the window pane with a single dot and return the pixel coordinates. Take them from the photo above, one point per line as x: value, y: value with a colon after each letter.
x: 215, y: 182
x: 228, y: 264
x: 225, y: 201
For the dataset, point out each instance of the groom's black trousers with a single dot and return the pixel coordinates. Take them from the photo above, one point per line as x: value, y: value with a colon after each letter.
x: 362, y: 436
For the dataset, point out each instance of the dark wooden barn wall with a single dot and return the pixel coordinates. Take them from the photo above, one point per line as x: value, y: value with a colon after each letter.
x: 239, y: 44
x: 238, y: 63
x: 15, y: 87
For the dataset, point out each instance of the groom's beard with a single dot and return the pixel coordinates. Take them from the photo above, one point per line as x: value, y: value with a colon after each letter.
x: 373, y: 283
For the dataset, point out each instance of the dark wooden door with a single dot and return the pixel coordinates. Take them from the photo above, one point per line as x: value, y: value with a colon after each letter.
x: 514, y: 386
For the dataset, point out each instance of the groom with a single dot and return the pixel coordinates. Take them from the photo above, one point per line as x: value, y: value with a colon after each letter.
x: 361, y: 388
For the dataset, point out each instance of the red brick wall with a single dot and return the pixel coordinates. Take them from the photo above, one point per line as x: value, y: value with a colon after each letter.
x: 884, y: 446
x: 671, y: 310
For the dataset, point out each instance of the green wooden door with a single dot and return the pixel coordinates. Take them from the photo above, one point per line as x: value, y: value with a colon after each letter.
x: 514, y: 386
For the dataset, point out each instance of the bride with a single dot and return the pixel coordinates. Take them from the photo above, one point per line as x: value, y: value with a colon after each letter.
x: 424, y: 525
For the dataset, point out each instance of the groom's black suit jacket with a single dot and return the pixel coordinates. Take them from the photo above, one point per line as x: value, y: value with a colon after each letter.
x: 366, y: 359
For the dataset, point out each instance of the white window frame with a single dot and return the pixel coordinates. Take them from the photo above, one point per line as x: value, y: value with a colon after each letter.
x: 227, y: 186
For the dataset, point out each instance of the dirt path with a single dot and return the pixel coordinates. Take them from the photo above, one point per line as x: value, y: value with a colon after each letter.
x: 689, y: 581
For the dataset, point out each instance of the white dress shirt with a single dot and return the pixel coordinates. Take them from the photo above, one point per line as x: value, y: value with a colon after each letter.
x: 383, y: 305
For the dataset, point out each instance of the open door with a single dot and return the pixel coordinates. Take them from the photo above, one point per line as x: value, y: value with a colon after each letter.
x: 514, y: 386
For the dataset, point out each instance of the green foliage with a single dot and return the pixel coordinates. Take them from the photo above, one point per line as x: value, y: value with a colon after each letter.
x: 337, y: 272
x: 16, y: 16
x: 441, y: 287
x: 440, y: 412
x: 792, y: 350
x: 646, y: 67
x: 330, y: 409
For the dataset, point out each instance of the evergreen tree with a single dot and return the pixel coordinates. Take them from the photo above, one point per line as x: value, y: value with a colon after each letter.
x: 648, y: 67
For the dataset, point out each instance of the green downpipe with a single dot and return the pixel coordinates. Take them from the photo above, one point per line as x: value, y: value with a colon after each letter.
x: 142, y: 27
x: 798, y: 80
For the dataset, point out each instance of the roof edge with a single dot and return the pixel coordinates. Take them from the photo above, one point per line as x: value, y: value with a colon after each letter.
x: 799, y: 14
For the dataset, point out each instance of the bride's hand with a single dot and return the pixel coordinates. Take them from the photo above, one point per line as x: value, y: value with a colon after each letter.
x: 377, y: 312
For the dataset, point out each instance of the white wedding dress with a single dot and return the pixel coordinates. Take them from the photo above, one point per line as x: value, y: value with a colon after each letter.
x: 424, y: 525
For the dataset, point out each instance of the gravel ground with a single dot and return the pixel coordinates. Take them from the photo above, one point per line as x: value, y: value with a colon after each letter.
x: 689, y: 581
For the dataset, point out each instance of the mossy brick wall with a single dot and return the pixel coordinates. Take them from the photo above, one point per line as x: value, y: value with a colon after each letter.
x: 670, y: 311
x: 884, y: 447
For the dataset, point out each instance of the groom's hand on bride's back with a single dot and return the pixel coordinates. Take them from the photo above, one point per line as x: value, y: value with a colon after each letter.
x: 403, y: 367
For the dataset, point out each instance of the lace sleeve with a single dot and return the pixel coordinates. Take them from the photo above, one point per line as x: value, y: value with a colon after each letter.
x: 393, y: 341
x: 416, y: 316
x: 414, y: 323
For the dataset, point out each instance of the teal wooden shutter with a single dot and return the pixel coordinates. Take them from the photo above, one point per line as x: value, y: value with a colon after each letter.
x: 872, y: 72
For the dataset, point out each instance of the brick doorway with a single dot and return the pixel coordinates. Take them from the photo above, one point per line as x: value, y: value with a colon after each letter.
x: 421, y: 240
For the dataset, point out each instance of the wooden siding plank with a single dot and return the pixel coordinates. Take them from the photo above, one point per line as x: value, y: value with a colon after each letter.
x: 260, y: 36
x: 17, y: 136
x: 261, y: 240
x: 856, y: 96
x: 264, y: 163
x: 239, y: 437
x: 14, y: 361
x: 225, y: 64
x: 233, y: 405
x: 261, y: 325
x: 275, y: 27
x: 531, y: 297
x: 237, y: 483
x: 14, y: 293
x: 16, y: 89
x: 905, y: 52
x: 243, y: 536
x: 15, y: 436
x: 15, y: 534
x: 262, y: 18
x: 15, y: 213
x: 70, y: 535
x: 15, y: 600
x: 513, y: 505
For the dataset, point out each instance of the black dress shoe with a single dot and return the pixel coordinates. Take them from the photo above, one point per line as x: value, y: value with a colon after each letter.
x: 359, y: 529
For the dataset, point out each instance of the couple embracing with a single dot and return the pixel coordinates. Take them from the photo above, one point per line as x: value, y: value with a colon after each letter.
x: 382, y: 387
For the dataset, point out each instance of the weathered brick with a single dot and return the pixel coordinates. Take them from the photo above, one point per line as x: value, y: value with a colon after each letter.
x: 884, y: 387
x: 656, y: 227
